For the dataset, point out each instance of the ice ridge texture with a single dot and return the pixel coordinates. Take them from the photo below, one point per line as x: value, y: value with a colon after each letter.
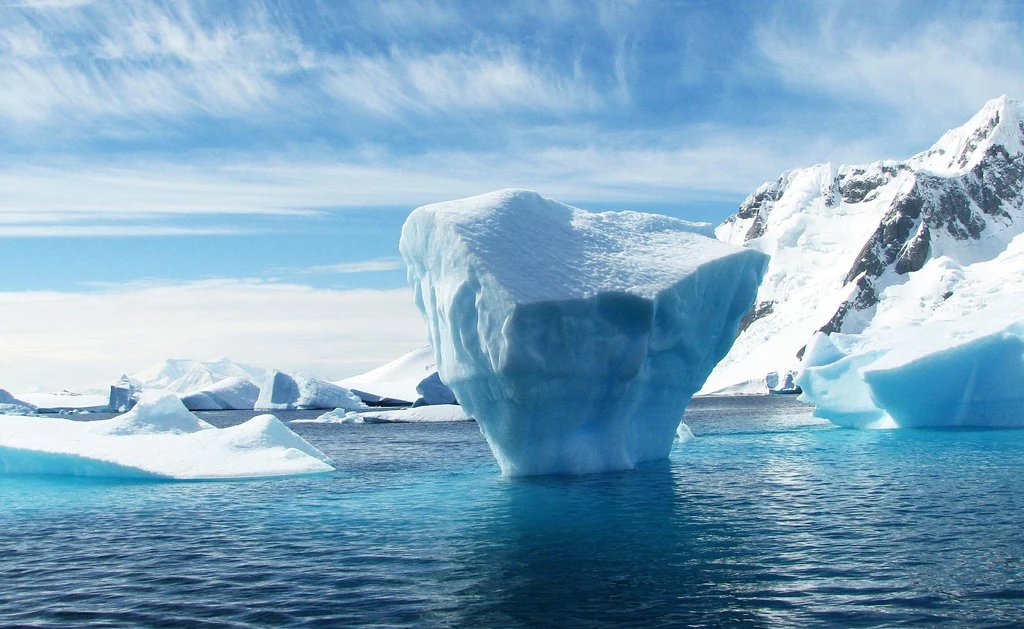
x: 575, y: 339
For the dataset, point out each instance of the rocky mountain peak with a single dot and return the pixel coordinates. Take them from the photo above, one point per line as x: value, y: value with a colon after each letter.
x: 997, y: 128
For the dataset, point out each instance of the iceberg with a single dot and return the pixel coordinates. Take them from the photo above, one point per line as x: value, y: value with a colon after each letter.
x: 281, y: 391
x: 123, y: 395
x: 931, y: 380
x: 10, y: 405
x: 420, y: 414
x: 575, y: 339
x: 433, y: 391
x: 158, y: 438
x: 234, y: 393
x: 410, y: 379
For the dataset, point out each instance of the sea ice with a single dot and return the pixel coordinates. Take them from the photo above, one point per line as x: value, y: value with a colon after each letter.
x: 158, y: 438
x: 281, y: 391
x: 234, y: 393
x: 420, y: 414
x: 575, y: 339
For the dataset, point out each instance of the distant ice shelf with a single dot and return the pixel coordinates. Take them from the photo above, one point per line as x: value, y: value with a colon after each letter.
x: 159, y: 438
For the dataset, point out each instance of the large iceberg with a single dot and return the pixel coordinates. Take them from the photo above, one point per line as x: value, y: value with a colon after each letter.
x: 158, y: 438
x: 575, y: 339
x: 281, y: 391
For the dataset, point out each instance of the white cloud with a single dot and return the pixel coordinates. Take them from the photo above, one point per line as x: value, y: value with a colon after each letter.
x: 58, y: 339
x: 359, y: 266
x: 498, y: 78
x: 118, y: 230
x: 128, y: 59
x: 934, y: 73
x: 703, y: 163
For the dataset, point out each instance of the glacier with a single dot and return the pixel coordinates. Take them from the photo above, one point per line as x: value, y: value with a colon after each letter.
x: 853, y: 247
x: 158, y: 438
x: 575, y: 339
x: 281, y: 391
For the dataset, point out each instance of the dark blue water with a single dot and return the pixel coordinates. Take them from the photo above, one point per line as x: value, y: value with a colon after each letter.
x: 767, y: 519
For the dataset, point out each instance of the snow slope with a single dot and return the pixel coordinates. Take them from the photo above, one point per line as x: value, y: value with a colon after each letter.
x: 857, y: 246
x: 185, y: 376
x: 409, y: 379
x: 575, y: 339
x: 65, y: 400
x: 159, y: 438
x: 944, y: 349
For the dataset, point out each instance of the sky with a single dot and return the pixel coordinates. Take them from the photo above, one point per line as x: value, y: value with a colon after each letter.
x: 225, y: 179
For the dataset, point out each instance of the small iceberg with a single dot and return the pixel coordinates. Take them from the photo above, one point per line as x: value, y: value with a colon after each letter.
x: 284, y: 392
x: 964, y: 373
x: 159, y: 438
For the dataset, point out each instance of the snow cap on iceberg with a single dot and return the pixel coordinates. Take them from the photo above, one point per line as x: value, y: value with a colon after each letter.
x: 575, y: 339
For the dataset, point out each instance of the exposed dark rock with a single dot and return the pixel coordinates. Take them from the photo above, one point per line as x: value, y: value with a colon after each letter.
x: 762, y: 309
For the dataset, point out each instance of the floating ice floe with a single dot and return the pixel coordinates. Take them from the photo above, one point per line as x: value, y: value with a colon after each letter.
x: 683, y: 433
x: 433, y: 413
x: 159, y: 438
x: 575, y: 339
x: 962, y: 373
x: 281, y: 391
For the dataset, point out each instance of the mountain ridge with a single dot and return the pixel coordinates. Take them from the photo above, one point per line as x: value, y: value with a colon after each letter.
x: 840, y: 237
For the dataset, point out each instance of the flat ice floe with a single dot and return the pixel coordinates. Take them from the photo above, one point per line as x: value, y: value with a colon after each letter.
x: 159, y: 438
x: 575, y: 339
x: 419, y: 414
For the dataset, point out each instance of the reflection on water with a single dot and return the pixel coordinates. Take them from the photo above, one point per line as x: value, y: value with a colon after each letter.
x: 767, y: 518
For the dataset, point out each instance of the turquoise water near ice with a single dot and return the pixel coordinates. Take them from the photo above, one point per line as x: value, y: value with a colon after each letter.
x: 768, y: 518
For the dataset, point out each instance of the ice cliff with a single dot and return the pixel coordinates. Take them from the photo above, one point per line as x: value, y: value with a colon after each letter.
x: 575, y: 339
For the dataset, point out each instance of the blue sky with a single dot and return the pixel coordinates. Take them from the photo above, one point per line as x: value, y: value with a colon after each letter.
x: 274, y: 148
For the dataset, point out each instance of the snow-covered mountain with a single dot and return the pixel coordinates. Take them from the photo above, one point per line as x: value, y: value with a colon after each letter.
x: 185, y: 376
x: 885, y: 244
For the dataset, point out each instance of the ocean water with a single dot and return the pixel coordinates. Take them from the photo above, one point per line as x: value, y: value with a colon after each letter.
x: 768, y: 518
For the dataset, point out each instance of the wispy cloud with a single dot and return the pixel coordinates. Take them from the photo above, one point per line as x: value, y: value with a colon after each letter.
x: 59, y: 339
x: 359, y: 266
x: 938, y: 70
x: 120, y: 231
x: 495, y: 78
x: 124, y: 59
